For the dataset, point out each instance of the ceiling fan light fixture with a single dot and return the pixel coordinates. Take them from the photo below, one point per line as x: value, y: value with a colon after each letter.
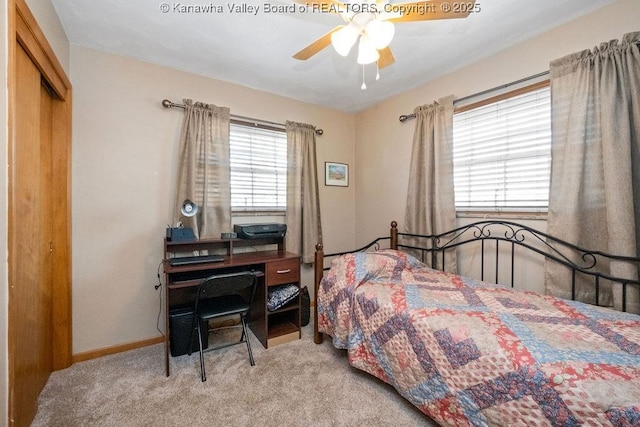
x: 367, y: 53
x: 344, y: 39
x: 380, y: 33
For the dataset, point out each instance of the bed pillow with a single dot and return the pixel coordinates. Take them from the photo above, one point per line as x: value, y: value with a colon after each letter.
x: 279, y: 296
x: 380, y: 264
x: 352, y: 269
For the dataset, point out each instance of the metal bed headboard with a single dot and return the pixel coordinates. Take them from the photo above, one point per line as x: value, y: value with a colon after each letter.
x: 434, y: 248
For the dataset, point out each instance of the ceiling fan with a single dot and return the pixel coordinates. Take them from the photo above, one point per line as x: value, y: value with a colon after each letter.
x: 372, y: 22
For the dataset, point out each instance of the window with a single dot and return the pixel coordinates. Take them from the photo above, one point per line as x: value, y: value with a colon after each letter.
x: 258, y: 167
x: 502, y: 154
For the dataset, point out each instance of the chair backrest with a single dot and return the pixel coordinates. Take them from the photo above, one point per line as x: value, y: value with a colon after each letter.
x: 243, y: 283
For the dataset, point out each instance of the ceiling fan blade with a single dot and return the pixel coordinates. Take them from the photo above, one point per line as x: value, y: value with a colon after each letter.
x: 316, y: 46
x: 386, y: 57
x: 431, y: 10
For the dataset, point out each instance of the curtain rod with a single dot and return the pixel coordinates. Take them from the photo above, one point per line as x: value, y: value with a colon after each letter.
x: 168, y: 104
x: 403, y: 118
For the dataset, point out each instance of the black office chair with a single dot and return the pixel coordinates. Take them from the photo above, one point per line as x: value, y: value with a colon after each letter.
x: 223, y: 295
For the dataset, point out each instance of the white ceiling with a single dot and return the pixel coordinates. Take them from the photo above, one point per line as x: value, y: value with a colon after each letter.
x: 256, y: 50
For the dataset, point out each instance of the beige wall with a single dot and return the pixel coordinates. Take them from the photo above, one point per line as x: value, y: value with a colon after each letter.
x: 125, y: 143
x: 124, y: 149
x: 383, y: 144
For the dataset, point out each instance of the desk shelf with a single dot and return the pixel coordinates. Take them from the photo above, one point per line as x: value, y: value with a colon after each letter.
x: 294, y: 305
x: 282, y: 331
x: 228, y: 246
x: 283, y: 325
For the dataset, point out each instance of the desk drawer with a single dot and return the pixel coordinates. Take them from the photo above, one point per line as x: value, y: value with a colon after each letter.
x: 285, y: 271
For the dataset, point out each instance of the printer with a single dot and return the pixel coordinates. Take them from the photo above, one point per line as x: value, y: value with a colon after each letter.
x: 257, y: 231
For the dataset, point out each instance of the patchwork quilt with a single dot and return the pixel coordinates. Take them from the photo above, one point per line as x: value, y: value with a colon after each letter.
x: 468, y: 353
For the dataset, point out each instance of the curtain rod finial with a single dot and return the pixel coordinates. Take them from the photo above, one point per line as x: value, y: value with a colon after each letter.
x: 166, y: 103
x: 403, y: 118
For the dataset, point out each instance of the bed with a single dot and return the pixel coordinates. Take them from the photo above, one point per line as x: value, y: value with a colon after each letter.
x: 468, y: 352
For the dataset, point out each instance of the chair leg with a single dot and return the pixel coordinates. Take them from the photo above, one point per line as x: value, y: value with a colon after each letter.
x: 202, y: 370
x: 244, y: 332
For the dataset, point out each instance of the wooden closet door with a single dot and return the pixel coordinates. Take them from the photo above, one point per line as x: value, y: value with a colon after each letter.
x: 39, y: 229
x: 30, y: 294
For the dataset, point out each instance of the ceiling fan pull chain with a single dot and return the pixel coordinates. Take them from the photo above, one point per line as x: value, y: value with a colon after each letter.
x: 364, y: 86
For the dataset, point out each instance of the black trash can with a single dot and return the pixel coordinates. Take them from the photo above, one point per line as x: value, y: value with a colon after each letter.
x: 180, y: 321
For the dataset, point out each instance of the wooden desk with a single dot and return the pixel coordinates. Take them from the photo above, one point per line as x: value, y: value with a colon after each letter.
x: 273, y: 267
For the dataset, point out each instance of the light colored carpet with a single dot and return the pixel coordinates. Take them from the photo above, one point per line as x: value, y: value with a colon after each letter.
x: 294, y: 384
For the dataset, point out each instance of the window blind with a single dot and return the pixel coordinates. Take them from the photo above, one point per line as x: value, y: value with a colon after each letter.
x: 258, y: 167
x: 502, y: 154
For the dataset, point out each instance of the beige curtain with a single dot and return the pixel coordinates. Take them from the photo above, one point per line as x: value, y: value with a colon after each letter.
x: 304, y: 228
x: 430, y: 199
x: 203, y: 169
x: 594, y: 198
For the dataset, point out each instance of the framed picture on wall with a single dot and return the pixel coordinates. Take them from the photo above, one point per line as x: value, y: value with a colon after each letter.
x: 336, y: 174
